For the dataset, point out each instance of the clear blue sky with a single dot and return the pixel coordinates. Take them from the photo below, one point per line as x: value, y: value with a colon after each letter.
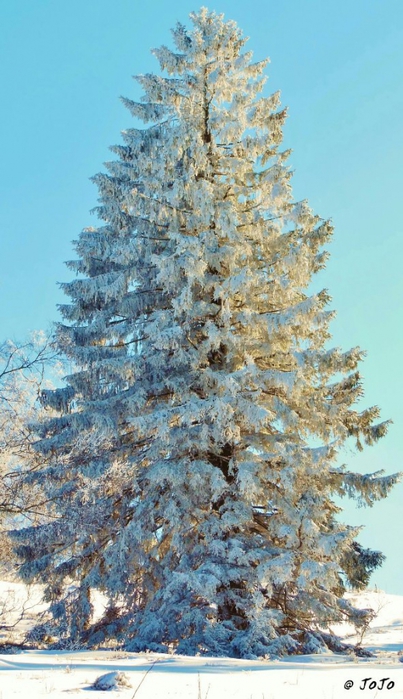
x: 339, y: 66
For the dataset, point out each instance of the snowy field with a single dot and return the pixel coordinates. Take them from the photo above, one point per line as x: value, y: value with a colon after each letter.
x: 33, y: 674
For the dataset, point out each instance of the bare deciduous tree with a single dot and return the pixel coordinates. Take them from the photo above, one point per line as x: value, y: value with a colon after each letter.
x: 25, y: 368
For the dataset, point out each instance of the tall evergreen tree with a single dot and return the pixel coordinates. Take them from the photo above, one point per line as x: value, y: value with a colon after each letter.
x: 193, y: 463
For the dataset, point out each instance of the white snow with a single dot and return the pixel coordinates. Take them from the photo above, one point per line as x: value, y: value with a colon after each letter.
x: 40, y: 673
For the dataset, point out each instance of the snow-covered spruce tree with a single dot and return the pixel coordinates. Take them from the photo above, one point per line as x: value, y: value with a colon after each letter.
x: 193, y: 464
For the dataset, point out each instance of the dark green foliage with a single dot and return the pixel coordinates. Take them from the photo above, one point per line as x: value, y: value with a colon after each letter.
x: 359, y: 563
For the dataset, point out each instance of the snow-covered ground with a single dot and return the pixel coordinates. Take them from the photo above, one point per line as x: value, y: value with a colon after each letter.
x: 33, y: 674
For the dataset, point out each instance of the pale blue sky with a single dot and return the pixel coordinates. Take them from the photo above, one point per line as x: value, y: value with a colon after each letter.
x: 339, y: 66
